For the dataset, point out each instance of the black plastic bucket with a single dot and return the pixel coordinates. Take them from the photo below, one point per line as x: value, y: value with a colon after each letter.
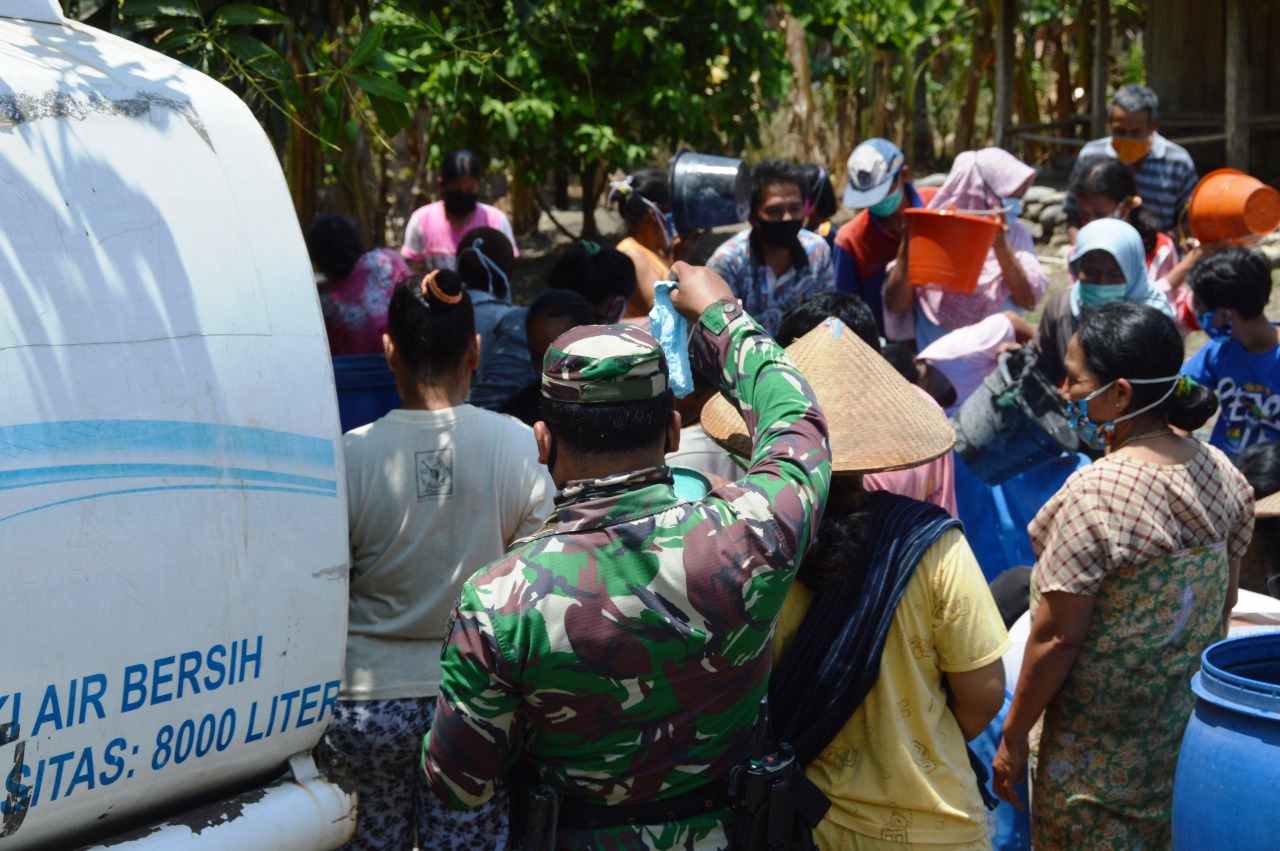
x: 1013, y: 420
x: 708, y: 191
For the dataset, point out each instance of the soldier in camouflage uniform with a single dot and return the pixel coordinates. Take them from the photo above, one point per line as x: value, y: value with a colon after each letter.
x: 622, y: 651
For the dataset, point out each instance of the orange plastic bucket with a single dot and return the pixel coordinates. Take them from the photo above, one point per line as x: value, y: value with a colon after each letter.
x: 1230, y: 205
x: 947, y: 249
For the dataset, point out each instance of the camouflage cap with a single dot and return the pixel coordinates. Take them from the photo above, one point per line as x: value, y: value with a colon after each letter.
x: 604, y: 363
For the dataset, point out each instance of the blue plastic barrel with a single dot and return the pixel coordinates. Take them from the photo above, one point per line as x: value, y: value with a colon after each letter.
x: 366, y: 389
x: 1227, y: 785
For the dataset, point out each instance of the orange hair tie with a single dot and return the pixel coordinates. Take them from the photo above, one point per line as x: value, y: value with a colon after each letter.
x: 430, y: 289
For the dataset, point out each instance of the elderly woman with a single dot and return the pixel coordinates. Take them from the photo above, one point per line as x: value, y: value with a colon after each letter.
x: 1137, y: 561
x: 1109, y: 264
x: 1105, y: 188
x: 987, y: 180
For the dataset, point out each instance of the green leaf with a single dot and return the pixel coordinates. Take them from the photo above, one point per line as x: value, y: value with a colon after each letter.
x: 393, y: 116
x: 382, y: 87
x: 393, y: 63
x: 368, y: 45
x: 259, y: 57
x: 177, y: 39
x: 244, y: 15
x: 159, y: 9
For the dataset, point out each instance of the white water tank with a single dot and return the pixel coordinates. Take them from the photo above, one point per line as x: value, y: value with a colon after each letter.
x: 173, y: 548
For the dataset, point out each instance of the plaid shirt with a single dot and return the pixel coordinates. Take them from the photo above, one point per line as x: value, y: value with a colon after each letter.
x: 1166, y: 177
x: 1121, y: 511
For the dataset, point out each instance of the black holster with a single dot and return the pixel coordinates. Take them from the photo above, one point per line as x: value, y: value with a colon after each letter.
x: 534, y: 809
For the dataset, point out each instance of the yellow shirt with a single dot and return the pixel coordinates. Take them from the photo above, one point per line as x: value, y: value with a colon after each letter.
x: 898, y: 770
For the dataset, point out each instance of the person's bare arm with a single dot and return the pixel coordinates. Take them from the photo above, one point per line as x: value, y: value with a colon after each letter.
x: 1058, y: 632
x: 976, y: 697
x: 1015, y: 277
x: 898, y: 296
x: 642, y: 299
x: 1233, y: 593
x: 1022, y: 330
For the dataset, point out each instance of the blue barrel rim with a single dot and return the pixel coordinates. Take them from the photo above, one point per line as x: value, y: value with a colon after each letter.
x: 680, y: 473
x: 1215, y: 684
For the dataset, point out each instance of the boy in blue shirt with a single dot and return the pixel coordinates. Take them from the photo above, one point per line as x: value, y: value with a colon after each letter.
x: 1241, y: 361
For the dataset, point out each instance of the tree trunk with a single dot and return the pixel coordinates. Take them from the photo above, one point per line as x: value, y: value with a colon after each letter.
x: 1062, y: 74
x: 920, y: 154
x: 1084, y: 48
x: 1025, y: 101
x: 302, y: 160
x: 524, y: 210
x: 980, y: 60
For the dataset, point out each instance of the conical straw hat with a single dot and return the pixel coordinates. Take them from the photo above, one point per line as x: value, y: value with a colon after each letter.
x: 1268, y: 506
x: 877, y: 420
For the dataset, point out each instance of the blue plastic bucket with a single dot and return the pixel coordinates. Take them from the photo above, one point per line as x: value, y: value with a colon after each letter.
x: 1228, y: 780
x: 366, y: 389
x: 708, y: 191
x: 1014, y: 420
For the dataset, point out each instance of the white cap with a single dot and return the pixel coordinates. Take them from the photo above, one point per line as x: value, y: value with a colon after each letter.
x: 871, y: 169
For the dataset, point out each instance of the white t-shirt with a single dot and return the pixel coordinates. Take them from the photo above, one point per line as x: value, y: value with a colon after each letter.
x: 701, y: 453
x: 433, y: 496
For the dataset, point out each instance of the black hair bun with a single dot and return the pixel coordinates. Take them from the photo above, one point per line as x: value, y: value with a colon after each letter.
x: 1193, y: 407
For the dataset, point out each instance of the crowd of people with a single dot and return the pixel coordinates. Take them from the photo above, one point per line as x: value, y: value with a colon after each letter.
x: 548, y: 644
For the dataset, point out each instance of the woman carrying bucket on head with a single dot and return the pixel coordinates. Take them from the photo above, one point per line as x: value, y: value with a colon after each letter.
x: 985, y: 182
x: 1108, y: 264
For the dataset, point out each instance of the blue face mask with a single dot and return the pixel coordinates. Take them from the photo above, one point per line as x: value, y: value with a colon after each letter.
x: 1095, y: 294
x: 1215, y: 332
x: 1099, y: 435
x: 888, y: 205
x: 1012, y: 210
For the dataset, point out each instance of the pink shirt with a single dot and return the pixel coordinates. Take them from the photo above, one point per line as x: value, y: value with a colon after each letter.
x: 355, y: 308
x: 431, y: 238
x: 967, y: 356
x: 933, y: 482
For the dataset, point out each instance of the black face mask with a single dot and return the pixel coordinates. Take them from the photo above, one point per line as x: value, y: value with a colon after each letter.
x: 779, y: 234
x: 458, y: 203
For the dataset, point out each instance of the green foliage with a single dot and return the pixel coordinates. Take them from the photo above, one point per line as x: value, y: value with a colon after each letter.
x: 550, y: 86
x: 276, y: 64
x: 556, y: 85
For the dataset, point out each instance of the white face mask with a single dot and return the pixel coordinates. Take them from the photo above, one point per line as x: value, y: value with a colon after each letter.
x: 667, y: 227
x: 490, y: 268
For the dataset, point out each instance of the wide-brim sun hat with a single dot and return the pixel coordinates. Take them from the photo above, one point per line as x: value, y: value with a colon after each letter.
x: 877, y: 421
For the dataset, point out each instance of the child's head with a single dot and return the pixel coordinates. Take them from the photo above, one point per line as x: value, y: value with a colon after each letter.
x: 1234, y: 278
